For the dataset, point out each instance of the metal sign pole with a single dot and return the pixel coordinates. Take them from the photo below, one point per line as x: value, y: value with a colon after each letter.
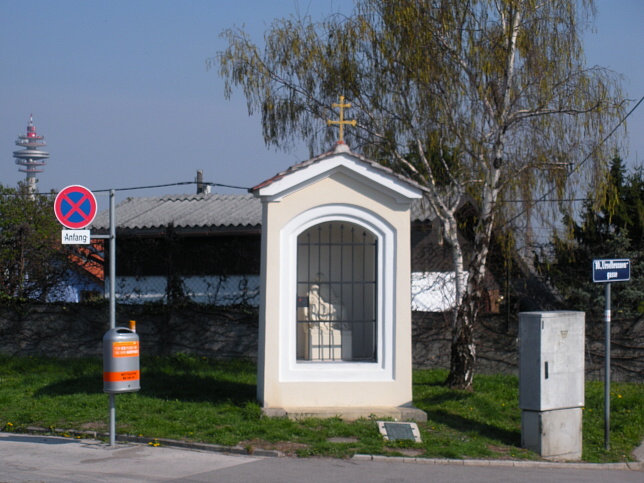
x: 607, y: 370
x: 607, y: 271
x: 112, y: 401
x: 76, y: 217
x: 112, y: 261
x: 112, y: 404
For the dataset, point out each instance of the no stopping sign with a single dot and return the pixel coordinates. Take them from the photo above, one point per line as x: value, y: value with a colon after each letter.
x: 75, y: 207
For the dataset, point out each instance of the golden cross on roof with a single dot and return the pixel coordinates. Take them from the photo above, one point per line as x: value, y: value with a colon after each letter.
x: 341, y: 122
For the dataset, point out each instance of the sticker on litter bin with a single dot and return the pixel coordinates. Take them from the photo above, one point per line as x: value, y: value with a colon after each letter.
x: 121, y: 376
x: 128, y: 348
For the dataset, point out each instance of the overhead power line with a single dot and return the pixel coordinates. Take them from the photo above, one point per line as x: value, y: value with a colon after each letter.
x: 165, y: 185
x: 180, y: 183
x: 581, y: 163
x: 540, y: 200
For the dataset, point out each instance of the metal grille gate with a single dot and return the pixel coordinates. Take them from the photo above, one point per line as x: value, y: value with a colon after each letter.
x: 337, y: 293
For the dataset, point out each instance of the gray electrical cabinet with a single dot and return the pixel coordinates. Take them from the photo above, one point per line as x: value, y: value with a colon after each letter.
x: 551, y: 382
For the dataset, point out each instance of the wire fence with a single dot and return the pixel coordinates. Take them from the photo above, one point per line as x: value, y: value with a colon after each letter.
x: 430, y: 291
x: 221, y: 290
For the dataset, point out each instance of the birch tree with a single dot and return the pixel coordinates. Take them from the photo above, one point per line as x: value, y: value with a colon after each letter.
x: 485, y: 100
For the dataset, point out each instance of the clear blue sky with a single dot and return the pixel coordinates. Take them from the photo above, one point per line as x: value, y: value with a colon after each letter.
x: 122, y: 95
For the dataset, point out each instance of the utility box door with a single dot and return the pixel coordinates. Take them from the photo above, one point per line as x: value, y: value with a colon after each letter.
x: 551, y: 360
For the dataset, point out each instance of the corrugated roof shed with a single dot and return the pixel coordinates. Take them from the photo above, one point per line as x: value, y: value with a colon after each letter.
x: 421, y: 211
x: 210, y: 212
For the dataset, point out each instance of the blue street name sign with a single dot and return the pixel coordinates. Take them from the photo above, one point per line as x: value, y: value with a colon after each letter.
x: 618, y: 270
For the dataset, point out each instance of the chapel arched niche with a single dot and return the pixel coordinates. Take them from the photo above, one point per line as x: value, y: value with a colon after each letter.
x: 336, y: 303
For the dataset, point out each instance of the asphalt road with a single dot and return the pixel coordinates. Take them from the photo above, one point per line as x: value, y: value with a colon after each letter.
x: 26, y: 457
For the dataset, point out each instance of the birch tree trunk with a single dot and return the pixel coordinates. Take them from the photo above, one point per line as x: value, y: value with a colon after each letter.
x: 463, y: 350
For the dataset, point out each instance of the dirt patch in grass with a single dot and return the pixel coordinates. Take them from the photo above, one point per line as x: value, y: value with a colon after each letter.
x: 509, y: 453
x: 410, y: 452
x: 94, y: 426
x: 500, y: 452
x: 342, y: 440
x: 288, y: 448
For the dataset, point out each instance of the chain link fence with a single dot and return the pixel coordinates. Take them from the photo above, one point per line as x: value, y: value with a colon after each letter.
x: 221, y: 290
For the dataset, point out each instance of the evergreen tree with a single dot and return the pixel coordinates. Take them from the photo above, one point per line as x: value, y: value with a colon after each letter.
x: 612, y: 229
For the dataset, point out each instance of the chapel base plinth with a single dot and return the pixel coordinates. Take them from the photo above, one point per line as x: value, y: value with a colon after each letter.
x: 401, y: 413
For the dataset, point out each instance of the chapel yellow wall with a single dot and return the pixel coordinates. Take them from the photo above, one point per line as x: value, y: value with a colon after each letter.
x: 338, y: 188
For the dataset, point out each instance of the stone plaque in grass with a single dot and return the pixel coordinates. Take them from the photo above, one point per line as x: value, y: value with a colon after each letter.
x: 399, y: 431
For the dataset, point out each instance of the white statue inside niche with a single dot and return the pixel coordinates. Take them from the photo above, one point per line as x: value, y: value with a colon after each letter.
x: 328, y: 335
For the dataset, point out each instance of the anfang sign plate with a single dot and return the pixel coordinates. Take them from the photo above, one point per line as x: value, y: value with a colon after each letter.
x: 75, y: 237
x: 614, y: 270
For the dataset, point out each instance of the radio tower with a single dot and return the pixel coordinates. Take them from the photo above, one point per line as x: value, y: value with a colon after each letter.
x: 32, y: 159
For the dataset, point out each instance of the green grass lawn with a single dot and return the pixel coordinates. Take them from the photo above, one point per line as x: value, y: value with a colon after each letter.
x: 200, y: 399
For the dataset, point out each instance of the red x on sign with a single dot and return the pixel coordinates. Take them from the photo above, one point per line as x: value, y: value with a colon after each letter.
x: 75, y: 206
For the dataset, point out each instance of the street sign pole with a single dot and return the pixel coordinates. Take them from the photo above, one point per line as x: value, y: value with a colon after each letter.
x: 112, y: 295
x: 607, y: 315
x: 112, y: 261
x: 608, y: 271
x: 112, y: 305
x: 75, y: 207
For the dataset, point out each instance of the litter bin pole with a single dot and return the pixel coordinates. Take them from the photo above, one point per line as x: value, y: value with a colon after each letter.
x: 112, y: 420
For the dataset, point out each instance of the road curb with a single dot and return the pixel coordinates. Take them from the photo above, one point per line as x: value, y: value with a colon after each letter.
x: 216, y: 448
x: 630, y: 466
x: 173, y: 443
x: 250, y: 451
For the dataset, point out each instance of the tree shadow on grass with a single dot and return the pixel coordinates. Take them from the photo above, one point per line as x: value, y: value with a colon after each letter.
x: 429, y: 384
x: 460, y: 423
x: 446, y: 396
x: 73, y: 385
x: 157, y: 384
x: 189, y: 387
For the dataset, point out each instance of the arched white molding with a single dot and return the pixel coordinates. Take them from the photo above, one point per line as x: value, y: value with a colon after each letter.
x: 292, y: 370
